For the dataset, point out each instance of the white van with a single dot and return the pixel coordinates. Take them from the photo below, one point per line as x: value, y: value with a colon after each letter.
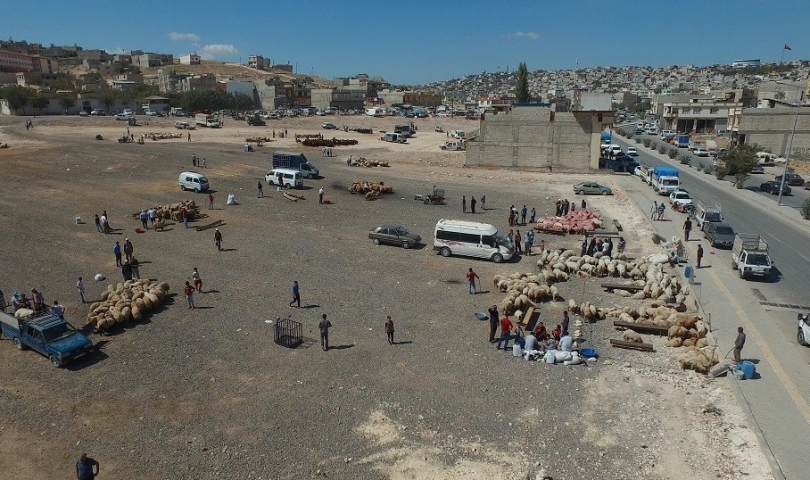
x: 471, y: 239
x: 193, y: 181
x: 394, y: 137
x: 289, y: 178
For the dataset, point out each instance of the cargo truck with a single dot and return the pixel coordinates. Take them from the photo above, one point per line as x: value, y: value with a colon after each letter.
x: 48, y: 335
x: 664, y: 180
x: 749, y: 256
x: 295, y: 161
x: 682, y: 141
x: 206, y: 120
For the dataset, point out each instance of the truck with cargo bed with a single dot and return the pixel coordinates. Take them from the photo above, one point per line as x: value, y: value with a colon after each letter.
x: 206, y: 120
x: 48, y: 335
x: 664, y: 180
x: 295, y: 161
x: 749, y: 256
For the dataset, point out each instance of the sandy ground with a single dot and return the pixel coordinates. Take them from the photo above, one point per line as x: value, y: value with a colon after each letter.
x: 209, y: 396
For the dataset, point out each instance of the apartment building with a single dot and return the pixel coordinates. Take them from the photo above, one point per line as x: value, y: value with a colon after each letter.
x: 21, y: 62
x: 190, y: 59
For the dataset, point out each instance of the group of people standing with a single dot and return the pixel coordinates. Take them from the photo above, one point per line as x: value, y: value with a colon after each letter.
x: 519, y: 217
x: 604, y: 246
x: 473, y: 203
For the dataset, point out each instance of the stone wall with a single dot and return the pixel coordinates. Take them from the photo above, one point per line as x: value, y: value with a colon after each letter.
x: 538, y: 137
x: 771, y: 129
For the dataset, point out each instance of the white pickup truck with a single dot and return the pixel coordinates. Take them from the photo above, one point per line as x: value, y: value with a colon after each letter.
x: 749, y: 256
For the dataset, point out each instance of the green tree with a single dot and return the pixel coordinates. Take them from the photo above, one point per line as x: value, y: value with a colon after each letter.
x: 39, y: 102
x: 522, y: 88
x: 244, y: 102
x: 67, y: 101
x: 17, y: 97
x: 739, y: 162
x: 108, y: 100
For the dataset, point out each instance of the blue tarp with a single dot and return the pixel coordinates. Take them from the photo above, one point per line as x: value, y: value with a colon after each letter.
x: 665, y: 171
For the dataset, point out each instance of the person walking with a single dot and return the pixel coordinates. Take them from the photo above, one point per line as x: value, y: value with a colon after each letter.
x: 86, y: 468
x: 463, y: 204
x: 739, y: 343
x: 523, y: 212
x: 210, y: 201
x: 699, y: 255
x: 98, y: 224
x: 687, y: 227
x: 188, y: 290
x: 493, y: 322
x: 117, y: 252
x: 189, y: 137
x: 471, y: 276
x: 144, y: 219
x: 80, y: 288
x: 195, y: 277
x: 661, y: 208
x: 296, y: 294
x: 389, y: 330
x: 654, y: 210
x: 323, y: 326
x: 472, y: 204
x: 218, y: 239
x: 320, y: 195
x: 128, y: 249
x: 259, y: 186
x: 483, y: 203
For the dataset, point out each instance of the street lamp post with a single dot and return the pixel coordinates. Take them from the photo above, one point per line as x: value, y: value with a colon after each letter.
x: 787, y: 157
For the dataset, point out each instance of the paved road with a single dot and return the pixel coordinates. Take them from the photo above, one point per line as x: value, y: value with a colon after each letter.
x: 778, y: 400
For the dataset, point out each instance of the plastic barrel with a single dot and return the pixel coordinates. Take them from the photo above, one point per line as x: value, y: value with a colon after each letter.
x: 748, y: 369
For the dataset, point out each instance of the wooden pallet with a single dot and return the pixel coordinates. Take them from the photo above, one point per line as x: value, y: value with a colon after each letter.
x: 527, y: 317
x: 617, y: 225
x: 621, y: 286
x: 644, y: 347
x: 641, y: 327
x: 291, y: 197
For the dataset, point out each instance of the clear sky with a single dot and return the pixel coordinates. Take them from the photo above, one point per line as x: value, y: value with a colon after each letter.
x: 410, y: 42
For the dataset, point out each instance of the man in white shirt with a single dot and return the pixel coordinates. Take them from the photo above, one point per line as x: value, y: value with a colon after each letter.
x: 320, y: 195
x: 566, y: 342
x: 530, y: 342
x: 80, y: 288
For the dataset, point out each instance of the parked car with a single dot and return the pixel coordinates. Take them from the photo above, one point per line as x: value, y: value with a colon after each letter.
x: 592, y: 188
x: 772, y: 187
x: 721, y: 153
x: 803, y: 335
x: 632, y: 151
x: 329, y: 126
x: 123, y: 116
x: 793, y: 179
x: 757, y: 169
x: 256, y: 122
x: 98, y: 112
x: 83, y: 113
x: 184, y: 125
x: 719, y: 234
x: 700, y: 152
x: 151, y: 113
x: 393, y: 235
x: 680, y: 197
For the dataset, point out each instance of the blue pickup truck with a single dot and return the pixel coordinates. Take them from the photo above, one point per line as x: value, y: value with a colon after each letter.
x: 47, y: 334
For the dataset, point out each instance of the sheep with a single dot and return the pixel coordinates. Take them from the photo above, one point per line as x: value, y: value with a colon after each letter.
x: 631, y: 336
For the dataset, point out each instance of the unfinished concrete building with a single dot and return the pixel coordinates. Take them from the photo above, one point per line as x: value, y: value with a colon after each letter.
x: 536, y: 136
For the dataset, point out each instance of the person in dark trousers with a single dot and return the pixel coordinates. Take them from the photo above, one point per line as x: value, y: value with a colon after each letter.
x: 98, y: 224
x: 261, y: 192
x: 699, y: 255
x: 126, y: 271
x: 739, y: 343
x: 323, y: 326
x: 117, y: 252
x: 472, y: 204
x: 296, y: 295
x: 389, y: 330
x: 471, y: 276
x: 218, y: 239
x: 320, y: 195
x: 506, y: 332
x: 565, y: 321
x: 86, y: 468
x: 463, y: 204
x: 483, y: 202
x: 517, y: 241
x: 687, y: 227
x: 523, y: 212
x: 584, y: 205
x: 493, y: 322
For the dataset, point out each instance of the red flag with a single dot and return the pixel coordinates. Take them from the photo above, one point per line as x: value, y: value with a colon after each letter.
x: 787, y: 47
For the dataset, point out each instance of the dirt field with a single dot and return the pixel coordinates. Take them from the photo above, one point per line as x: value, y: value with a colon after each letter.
x: 206, y: 394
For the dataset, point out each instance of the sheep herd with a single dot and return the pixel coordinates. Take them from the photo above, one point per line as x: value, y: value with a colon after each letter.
x: 126, y: 302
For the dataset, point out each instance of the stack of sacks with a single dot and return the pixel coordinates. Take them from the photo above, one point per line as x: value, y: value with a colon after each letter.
x: 579, y: 222
x: 127, y: 301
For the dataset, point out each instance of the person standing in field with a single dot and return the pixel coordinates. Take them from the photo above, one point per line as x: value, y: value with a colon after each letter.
x: 471, y: 276
x: 389, y: 330
x: 80, y: 288
x: 296, y: 294
x: 195, y: 277
x: 188, y: 290
x: 324, y: 326
x: 218, y: 239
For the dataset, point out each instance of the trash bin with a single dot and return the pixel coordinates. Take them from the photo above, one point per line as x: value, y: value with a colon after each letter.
x: 688, y: 272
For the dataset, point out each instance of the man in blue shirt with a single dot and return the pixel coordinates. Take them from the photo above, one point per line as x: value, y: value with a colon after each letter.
x: 86, y: 468
x: 296, y: 295
x: 117, y: 252
x: 58, y: 310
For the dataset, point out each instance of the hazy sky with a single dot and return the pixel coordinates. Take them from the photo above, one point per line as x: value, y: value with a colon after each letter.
x: 419, y: 41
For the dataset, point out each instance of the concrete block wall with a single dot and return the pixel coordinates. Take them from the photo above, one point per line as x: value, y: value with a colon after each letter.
x: 771, y: 129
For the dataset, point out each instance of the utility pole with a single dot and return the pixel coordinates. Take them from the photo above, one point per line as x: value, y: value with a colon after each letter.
x: 797, y: 106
